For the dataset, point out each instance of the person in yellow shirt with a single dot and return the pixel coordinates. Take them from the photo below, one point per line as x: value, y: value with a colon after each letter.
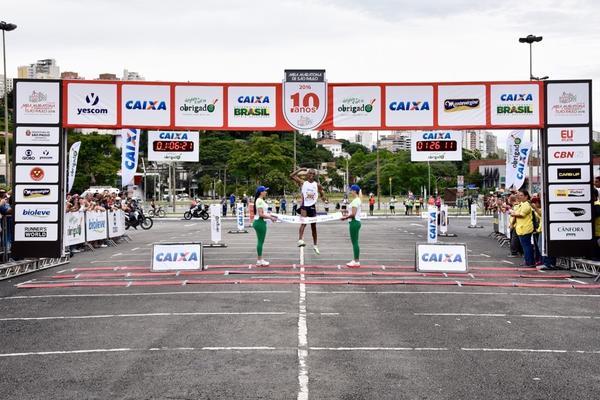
x: 523, y: 223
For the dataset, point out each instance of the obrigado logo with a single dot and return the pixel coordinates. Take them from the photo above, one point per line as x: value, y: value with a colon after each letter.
x: 177, y: 256
x: 198, y: 105
x: 356, y: 105
x: 442, y: 257
x: 515, y: 103
x: 146, y: 105
x: 452, y: 105
x: 252, y: 106
x: 92, y: 100
x: 409, y: 106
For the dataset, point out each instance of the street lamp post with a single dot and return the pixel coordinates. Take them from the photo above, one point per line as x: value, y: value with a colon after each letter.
x: 531, y: 39
x: 6, y: 27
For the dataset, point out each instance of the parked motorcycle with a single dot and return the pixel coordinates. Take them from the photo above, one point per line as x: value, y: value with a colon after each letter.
x: 197, y: 211
x: 137, y: 218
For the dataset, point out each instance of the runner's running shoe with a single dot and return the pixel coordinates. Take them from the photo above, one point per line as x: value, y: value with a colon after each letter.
x: 316, y: 249
x: 301, y: 243
x: 262, y: 263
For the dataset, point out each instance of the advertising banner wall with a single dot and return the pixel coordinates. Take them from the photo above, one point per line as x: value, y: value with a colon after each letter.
x: 92, y: 104
x: 130, y: 142
x: 74, y: 228
x: 95, y: 225
x: 215, y: 223
x: 357, y: 106
x: 199, y: 106
x: 72, y: 166
x: 461, y: 105
x: 116, y: 223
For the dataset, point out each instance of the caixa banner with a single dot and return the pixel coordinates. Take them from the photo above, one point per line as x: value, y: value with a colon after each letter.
x: 441, y: 257
x: 177, y: 256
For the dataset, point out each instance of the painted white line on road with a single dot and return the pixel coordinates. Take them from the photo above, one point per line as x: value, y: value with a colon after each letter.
x: 458, y: 315
x: 530, y: 350
x: 380, y: 348
x: 135, y: 248
x: 302, y: 341
x: 485, y: 255
x: 117, y: 254
x: 507, y: 315
x: 508, y: 262
x: 188, y: 225
x: 577, y: 281
x: 419, y: 225
x: 116, y: 260
x: 127, y: 349
x: 50, y: 296
x: 175, y: 314
x: 458, y: 293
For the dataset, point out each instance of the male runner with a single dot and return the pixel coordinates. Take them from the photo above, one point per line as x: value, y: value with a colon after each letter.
x: 310, y: 190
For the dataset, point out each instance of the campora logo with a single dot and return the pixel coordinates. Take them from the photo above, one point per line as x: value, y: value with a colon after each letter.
x: 92, y: 100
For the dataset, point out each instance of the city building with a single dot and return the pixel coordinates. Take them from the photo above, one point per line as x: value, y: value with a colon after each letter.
x: 9, y: 84
x: 132, y: 76
x: 107, y: 77
x: 334, y: 146
x: 596, y: 136
x: 483, y: 141
x: 41, y: 69
x: 70, y: 75
x: 365, y: 138
x: 326, y: 135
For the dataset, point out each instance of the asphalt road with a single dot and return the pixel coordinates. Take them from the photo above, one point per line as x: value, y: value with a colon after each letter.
x: 307, y: 340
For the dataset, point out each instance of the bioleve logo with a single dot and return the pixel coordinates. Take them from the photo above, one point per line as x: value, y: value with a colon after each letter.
x: 32, y: 212
x: 92, y: 100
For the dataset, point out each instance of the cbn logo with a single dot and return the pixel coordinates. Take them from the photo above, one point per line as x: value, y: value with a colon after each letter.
x: 146, y: 105
x: 177, y: 256
x: 442, y: 257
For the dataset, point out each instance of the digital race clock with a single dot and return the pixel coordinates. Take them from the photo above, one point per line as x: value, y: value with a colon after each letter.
x: 172, y: 145
x: 437, y: 145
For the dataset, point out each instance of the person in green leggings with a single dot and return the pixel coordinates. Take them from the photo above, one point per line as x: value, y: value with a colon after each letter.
x: 259, y: 224
x: 354, y: 217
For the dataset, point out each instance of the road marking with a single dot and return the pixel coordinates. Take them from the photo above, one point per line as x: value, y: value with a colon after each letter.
x: 302, y: 341
x: 187, y: 225
x: 577, y: 281
x: 508, y: 262
x: 419, y: 225
x: 117, y: 260
x: 507, y: 315
x: 135, y: 248
x: 485, y: 255
x: 127, y: 349
x: 457, y: 293
x: 50, y: 296
x: 380, y: 348
x: 530, y: 350
x: 175, y: 314
x: 117, y: 254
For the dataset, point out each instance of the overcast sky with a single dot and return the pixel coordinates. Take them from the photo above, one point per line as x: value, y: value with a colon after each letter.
x: 355, y: 41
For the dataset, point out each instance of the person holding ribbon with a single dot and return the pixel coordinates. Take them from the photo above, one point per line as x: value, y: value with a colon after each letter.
x: 310, y: 193
x: 354, y: 216
x: 259, y: 224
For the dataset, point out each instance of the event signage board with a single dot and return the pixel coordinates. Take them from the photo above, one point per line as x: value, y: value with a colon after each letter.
x: 215, y: 223
x: 199, y: 106
x: 116, y: 223
x: 461, y: 105
x: 447, y: 257
x: 436, y: 146
x: 568, y: 169
x: 92, y: 104
x: 95, y: 226
x: 357, y: 106
x: 432, y: 227
x: 74, y: 228
x: 239, y: 216
x: 38, y: 169
x: 409, y: 106
x: 515, y: 104
x: 169, y: 146
x: 145, y: 105
x: 177, y: 256
x: 252, y: 106
x: 305, y: 98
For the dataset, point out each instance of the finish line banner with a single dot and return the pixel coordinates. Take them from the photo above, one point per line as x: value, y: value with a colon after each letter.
x: 308, y: 220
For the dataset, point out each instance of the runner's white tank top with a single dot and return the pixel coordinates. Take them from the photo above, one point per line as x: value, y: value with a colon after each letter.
x: 310, y: 193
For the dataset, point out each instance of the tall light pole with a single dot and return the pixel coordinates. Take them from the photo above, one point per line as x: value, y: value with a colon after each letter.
x: 531, y: 39
x: 6, y: 27
x: 378, y: 171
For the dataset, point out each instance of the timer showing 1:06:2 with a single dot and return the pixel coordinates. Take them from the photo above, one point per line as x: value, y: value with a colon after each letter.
x: 172, y: 145
x: 437, y: 145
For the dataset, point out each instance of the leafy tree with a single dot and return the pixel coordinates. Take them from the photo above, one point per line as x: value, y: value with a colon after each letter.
x: 98, y: 162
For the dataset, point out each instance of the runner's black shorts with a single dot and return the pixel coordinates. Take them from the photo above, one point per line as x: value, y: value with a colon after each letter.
x: 311, y: 211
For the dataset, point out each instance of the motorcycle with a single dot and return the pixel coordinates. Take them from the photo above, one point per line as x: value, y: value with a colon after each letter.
x: 197, y: 211
x: 137, y: 218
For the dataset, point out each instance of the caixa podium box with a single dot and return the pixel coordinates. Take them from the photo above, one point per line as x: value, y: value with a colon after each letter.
x: 177, y: 256
x: 446, y: 257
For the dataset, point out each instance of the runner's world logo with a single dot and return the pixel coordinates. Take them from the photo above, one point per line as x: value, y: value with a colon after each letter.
x: 92, y: 101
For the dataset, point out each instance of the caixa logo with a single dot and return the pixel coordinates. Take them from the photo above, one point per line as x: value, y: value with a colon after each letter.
x: 409, y: 106
x: 146, y: 105
x: 442, y: 257
x: 92, y: 101
x: 177, y: 256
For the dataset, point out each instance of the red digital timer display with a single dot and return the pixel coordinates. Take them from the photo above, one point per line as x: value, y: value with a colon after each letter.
x: 172, y: 145
x: 437, y: 145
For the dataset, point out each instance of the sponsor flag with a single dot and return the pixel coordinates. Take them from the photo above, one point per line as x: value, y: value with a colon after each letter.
x: 521, y: 170
x: 130, y: 146
x: 513, y: 145
x: 73, y: 156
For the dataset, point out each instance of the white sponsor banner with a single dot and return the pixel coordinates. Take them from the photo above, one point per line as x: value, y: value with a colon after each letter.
x: 36, y: 174
x: 37, y: 135
x: 37, y: 102
x: 74, y: 228
x: 304, y: 99
x: 251, y: 106
x: 521, y: 170
x: 146, y: 105
x: 513, y: 146
x: 570, y: 212
x: 441, y: 258
x: 36, y: 213
x: 95, y: 225
x: 444, y: 219
x: 436, y: 146
x: 432, y: 231
x: 239, y: 216
x: 199, y: 106
x: 92, y: 104
x: 461, y: 105
x: 177, y: 256
x: 37, y: 154
x: 568, y: 154
x: 357, y: 106
x: 168, y: 146
x: 568, y: 103
x: 36, y: 193
x: 409, y: 106
x: 28, y: 232
x: 215, y: 223
x: 566, y: 136
x: 130, y: 147
x: 571, y: 231
x: 116, y: 223
x: 473, y: 214
x: 72, y: 167
x: 569, y: 193
x: 308, y: 220
x: 514, y: 105
x: 568, y: 173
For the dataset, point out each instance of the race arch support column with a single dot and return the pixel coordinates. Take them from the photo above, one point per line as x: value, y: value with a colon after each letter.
x: 568, y: 173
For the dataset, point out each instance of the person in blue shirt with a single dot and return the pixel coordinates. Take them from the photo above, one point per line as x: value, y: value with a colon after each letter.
x: 232, y: 203
x: 283, y: 204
